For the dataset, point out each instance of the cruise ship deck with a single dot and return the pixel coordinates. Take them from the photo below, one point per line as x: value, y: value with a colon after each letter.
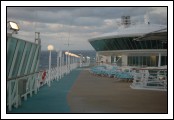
x: 82, y: 92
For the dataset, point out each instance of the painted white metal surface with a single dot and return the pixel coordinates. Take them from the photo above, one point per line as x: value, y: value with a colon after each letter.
x: 134, y: 30
x: 145, y: 81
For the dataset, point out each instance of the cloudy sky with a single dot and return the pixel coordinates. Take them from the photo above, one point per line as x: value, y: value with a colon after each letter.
x: 58, y: 25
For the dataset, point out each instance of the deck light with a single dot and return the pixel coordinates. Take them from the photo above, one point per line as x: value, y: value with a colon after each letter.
x: 13, y: 26
x: 50, y: 47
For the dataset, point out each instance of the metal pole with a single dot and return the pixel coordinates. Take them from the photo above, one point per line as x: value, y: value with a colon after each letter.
x: 68, y: 60
x: 60, y: 63
x: 58, y: 66
x: 66, y: 63
x: 80, y: 61
x: 49, y: 84
x: 9, y: 95
x: 159, y: 60
x: 63, y: 62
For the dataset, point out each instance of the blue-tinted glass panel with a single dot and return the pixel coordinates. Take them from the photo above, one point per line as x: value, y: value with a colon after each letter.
x: 144, y: 61
x: 37, y: 59
x: 165, y: 45
x: 18, y: 58
x: 137, y: 60
x: 127, y: 43
x: 33, y: 49
x: 140, y: 60
x: 148, y: 44
x: 129, y: 63
x: 26, y: 57
x: 109, y: 45
x: 133, y: 42
x: 143, y: 44
x: 10, y: 54
x: 157, y: 60
x: 116, y: 46
x: 148, y: 61
x: 131, y: 60
x: 121, y: 44
x: 163, y: 60
x: 93, y: 43
x: 154, y: 44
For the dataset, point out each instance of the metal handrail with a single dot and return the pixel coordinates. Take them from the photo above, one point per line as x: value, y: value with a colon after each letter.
x: 23, y: 75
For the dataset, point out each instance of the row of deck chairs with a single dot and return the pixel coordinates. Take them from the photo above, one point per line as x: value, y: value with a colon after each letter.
x: 111, y: 71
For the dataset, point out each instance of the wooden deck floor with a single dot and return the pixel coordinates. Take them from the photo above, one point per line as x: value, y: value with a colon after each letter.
x: 95, y: 94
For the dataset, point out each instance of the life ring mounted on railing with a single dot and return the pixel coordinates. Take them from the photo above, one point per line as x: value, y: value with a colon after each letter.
x: 44, y: 75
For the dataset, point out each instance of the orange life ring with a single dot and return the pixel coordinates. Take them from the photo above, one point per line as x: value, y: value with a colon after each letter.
x: 44, y: 75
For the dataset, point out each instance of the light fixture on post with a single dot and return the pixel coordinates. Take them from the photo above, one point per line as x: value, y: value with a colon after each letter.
x: 50, y: 48
x: 13, y: 26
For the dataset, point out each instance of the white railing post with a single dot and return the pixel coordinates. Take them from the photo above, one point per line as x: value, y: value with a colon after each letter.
x: 36, y: 82
x: 60, y: 63
x: 159, y: 60
x: 50, y: 48
x: 9, y: 96
x: 49, y: 72
x: 17, y: 95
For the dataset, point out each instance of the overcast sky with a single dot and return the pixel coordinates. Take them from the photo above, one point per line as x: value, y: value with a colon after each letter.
x: 58, y: 25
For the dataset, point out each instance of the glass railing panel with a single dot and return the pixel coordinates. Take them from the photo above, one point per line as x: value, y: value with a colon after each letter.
x: 31, y: 58
x: 18, y: 58
x: 12, y: 46
x: 26, y: 58
x: 37, y: 59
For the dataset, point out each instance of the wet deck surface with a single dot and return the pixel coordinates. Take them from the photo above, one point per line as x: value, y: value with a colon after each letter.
x: 95, y: 94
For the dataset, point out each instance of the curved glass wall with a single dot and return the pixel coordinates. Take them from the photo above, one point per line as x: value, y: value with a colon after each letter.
x: 126, y: 43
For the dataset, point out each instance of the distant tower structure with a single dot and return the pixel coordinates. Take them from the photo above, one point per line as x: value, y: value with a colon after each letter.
x: 125, y: 21
x: 146, y: 19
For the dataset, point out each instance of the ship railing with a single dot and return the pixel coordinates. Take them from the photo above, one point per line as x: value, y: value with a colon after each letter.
x: 20, y: 87
x: 56, y: 73
x: 156, y: 80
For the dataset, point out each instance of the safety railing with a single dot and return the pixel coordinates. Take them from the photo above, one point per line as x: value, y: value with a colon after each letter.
x: 156, y: 80
x: 20, y: 87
